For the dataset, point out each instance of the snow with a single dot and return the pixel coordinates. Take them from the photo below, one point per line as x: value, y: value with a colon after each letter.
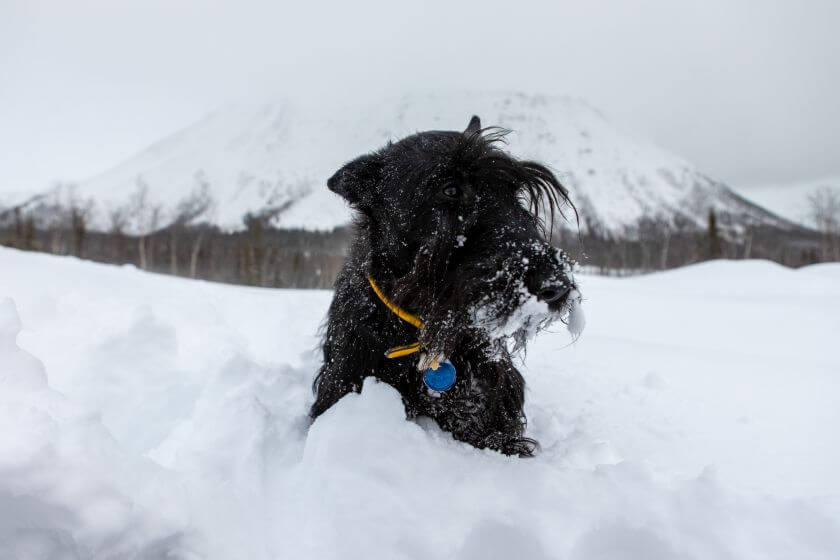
x: 829, y: 270
x: 261, y: 154
x: 527, y: 319
x: 576, y: 320
x: 789, y: 200
x: 67, y: 488
x: 150, y: 416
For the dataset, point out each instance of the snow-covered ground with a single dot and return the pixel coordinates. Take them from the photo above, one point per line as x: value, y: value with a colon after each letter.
x: 155, y: 417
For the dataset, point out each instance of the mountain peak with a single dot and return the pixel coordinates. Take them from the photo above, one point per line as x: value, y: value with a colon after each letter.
x: 278, y: 153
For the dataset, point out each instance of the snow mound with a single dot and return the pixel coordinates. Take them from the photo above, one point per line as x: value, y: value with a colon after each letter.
x: 67, y: 489
x: 687, y: 422
x: 829, y: 270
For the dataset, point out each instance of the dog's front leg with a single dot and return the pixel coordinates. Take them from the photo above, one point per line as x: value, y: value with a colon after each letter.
x: 347, y: 360
x: 485, y: 409
x: 330, y: 385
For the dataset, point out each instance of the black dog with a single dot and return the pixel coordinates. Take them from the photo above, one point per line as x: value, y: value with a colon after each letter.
x: 448, y: 230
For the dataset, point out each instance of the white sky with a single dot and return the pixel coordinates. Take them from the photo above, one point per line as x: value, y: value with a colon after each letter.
x: 748, y: 90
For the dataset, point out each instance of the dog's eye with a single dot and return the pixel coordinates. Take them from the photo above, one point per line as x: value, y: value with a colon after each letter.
x: 451, y: 191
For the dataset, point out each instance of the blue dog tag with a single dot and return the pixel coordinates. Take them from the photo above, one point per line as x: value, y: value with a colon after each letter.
x: 440, y: 379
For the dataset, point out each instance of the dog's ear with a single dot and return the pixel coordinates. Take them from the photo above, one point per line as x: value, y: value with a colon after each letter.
x: 474, y: 127
x: 357, y: 180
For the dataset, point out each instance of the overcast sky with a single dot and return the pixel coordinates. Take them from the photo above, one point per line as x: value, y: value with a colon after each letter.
x: 748, y: 90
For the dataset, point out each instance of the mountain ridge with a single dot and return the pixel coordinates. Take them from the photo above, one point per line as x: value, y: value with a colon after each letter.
x: 258, y: 158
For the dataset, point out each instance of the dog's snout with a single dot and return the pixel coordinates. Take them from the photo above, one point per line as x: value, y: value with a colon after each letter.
x: 550, y: 294
x: 548, y: 279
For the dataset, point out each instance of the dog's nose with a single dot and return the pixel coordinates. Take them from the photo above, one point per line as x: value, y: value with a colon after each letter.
x: 550, y: 294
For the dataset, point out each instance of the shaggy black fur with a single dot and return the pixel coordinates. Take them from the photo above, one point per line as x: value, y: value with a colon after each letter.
x: 450, y: 227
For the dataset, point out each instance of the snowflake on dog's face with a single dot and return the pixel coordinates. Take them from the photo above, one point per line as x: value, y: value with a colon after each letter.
x: 482, y: 269
x: 509, y: 314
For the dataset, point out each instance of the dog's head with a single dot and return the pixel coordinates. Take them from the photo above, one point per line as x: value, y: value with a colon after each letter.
x: 457, y: 229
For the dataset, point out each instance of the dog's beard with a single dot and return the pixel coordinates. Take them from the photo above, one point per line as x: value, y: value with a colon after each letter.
x: 480, y: 304
x: 510, y: 318
x: 437, y: 294
x: 498, y: 313
x: 508, y: 315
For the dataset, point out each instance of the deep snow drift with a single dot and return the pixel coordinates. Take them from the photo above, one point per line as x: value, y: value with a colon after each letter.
x: 143, y: 415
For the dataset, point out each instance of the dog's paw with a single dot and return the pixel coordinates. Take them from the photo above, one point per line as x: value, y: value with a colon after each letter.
x: 524, y: 447
x: 511, y: 445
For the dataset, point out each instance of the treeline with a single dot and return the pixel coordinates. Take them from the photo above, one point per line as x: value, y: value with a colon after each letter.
x: 263, y: 255
x: 178, y: 241
x: 659, y: 243
x: 257, y: 256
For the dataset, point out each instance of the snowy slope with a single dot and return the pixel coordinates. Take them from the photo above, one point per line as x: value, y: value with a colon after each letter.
x: 147, y: 415
x: 262, y: 155
x: 789, y: 200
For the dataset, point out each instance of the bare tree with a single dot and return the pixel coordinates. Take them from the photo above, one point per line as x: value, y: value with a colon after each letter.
x: 653, y: 234
x: 255, y: 257
x: 146, y: 217
x: 118, y: 220
x: 824, y: 210
x: 195, y: 206
x: 79, y: 214
x: 715, y: 250
x: 196, y: 250
x: 665, y: 231
x: 748, y: 238
x: 21, y: 221
x: 29, y: 202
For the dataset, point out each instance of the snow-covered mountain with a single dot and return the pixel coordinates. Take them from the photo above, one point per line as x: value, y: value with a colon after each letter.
x: 278, y: 155
x: 790, y: 200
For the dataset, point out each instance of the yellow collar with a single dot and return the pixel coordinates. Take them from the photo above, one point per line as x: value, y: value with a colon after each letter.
x: 398, y: 311
x: 410, y: 318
